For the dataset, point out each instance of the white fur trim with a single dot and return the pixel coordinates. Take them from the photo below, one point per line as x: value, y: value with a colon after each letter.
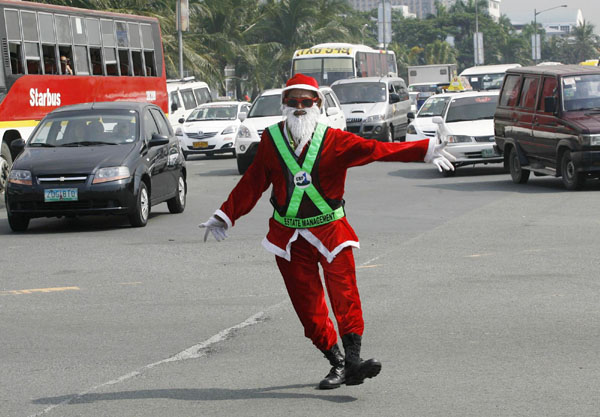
x: 285, y: 254
x: 429, y: 154
x: 225, y: 217
x: 300, y: 87
x: 313, y: 240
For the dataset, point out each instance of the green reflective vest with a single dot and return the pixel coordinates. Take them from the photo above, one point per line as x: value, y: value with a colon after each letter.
x: 303, y: 183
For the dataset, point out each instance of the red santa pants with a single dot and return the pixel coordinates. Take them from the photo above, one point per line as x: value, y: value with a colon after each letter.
x: 303, y: 283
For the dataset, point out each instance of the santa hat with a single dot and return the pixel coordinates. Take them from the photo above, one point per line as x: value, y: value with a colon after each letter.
x: 302, y: 82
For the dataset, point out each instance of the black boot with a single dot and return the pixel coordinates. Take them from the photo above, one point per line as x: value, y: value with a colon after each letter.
x: 357, y: 369
x: 335, y: 377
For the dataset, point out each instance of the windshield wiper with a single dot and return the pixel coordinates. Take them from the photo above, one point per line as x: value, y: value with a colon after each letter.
x: 86, y: 143
x: 41, y: 145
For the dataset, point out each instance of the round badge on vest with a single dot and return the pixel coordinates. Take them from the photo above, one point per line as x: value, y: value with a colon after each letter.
x: 302, y: 179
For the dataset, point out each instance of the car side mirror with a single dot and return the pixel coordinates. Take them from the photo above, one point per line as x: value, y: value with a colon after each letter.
x: 410, y: 115
x: 242, y: 116
x: 550, y: 104
x: 438, y: 120
x: 394, y: 98
x: 181, y: 121
x: 332, y: 110
x: 158, y: 140
x: 174, y: 107
x: 17, y: 146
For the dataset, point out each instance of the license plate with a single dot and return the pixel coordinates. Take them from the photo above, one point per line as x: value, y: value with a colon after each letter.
x: 60, y: 194
x: 200, y: 144
x: 488, y: 153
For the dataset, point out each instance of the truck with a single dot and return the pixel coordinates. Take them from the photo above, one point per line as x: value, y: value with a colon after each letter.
x: 431, y: 74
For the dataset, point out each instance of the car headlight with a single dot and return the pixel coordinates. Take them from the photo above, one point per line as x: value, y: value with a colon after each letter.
x: 244, y: 132
x: 178, y: 132
x: 411, y: 130
x: 111, y: 174
x: 375, y: 118
x: 228, y: 129
x: 458, y: 138
x: 20, y: 176
x: 590, y: 140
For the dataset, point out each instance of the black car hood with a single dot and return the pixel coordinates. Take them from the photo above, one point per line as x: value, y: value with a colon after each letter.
x: 76, y: 160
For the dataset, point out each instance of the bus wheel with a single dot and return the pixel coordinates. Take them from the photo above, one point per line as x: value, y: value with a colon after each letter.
x: 5, y: 164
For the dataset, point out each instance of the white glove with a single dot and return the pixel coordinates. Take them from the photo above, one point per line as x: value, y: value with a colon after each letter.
x: 216, y: 227
x: 441, y: 158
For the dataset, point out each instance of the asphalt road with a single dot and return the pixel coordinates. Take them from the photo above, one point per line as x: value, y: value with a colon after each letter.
x: 480, y: 298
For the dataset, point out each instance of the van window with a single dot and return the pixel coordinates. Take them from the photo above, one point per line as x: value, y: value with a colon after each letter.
x: 202, y: 95
x: 510, y: 93
x: 189, y: 101
x: 530, y: 86
x: 548, y: 90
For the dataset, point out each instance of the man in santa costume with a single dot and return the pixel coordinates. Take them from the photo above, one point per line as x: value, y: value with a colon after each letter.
x: 305, y: 162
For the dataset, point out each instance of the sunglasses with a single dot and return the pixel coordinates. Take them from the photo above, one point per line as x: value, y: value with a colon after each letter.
x: 294, y: 102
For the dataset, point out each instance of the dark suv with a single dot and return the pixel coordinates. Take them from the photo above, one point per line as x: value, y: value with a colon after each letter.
x: 548, y: 121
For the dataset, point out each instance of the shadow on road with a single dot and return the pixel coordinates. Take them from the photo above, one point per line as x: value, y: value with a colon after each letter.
x: 205, y: 394
x: 219, y: 173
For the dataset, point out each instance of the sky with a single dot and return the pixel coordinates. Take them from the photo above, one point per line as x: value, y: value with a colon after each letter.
x: 589, y: 8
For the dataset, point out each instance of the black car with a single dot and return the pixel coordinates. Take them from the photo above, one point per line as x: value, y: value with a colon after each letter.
x: 97, y: 158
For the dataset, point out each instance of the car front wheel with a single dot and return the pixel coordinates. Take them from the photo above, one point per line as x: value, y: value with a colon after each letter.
x: 177, y: 203
x: 139, y: 216
x: 572, y: 179
x: 517, y: 173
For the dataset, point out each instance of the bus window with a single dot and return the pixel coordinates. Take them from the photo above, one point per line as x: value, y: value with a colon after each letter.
x: 13, y: 32
x: 29, y: 24
x: 311, y: 67
x: 16, y: 63
x: 150, y: 65
x: 93, y: 31
x: 337, y: 69
x: 81, y: 61
x: 108, y: 33
x: 124, y: 61
x: 96, y: 60
x: 147, y: 40
x: 202, y: 95
x: 189, y: 101
x: 32, y: 58
x: 49, y: 56
x: 47, y: 28
x: 79, y: 32
x: 174, y: 100
x: 63, y: 29
x: 136, y: 61
x: 110, y: 61
x: 65, y: 66
x: 122, y: 40
x: 134, y: 35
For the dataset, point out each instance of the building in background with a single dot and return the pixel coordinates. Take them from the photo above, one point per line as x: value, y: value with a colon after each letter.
x: 558, y: 22
x: 421, y: 8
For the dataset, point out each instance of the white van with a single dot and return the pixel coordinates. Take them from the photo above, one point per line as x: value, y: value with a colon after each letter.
x: 375, y: 107
x: 184, y: 96
x: 487, y: 77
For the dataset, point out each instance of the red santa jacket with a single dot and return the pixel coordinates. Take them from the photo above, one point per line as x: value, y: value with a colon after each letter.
x: 340, y: 150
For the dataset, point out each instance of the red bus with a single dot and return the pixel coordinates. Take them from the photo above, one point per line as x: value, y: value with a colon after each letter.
x: 55, y: 56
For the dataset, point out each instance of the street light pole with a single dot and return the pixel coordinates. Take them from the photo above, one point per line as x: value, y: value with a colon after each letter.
x: 535, y: 40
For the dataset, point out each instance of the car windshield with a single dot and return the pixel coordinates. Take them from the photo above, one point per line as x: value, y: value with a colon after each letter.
x: 213, y: 113
x: 472, y: 108
x: 581, y: 92
x: 360, y: 92
x: 435, y: 106
x: 266, y: 106
x: 89, y: 128
x: 491, y: 81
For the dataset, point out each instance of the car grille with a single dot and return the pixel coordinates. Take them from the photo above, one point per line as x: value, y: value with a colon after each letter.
x: 62, y: 179
x: 353, y: 129
x: 484, y: 138
x: 429, y: 133
x: 191, y: 148
x: 260, y: 132
x: 201, y: 135
x: 354, y: 120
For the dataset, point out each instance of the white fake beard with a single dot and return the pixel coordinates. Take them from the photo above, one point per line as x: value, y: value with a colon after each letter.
x: 303, y: 126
